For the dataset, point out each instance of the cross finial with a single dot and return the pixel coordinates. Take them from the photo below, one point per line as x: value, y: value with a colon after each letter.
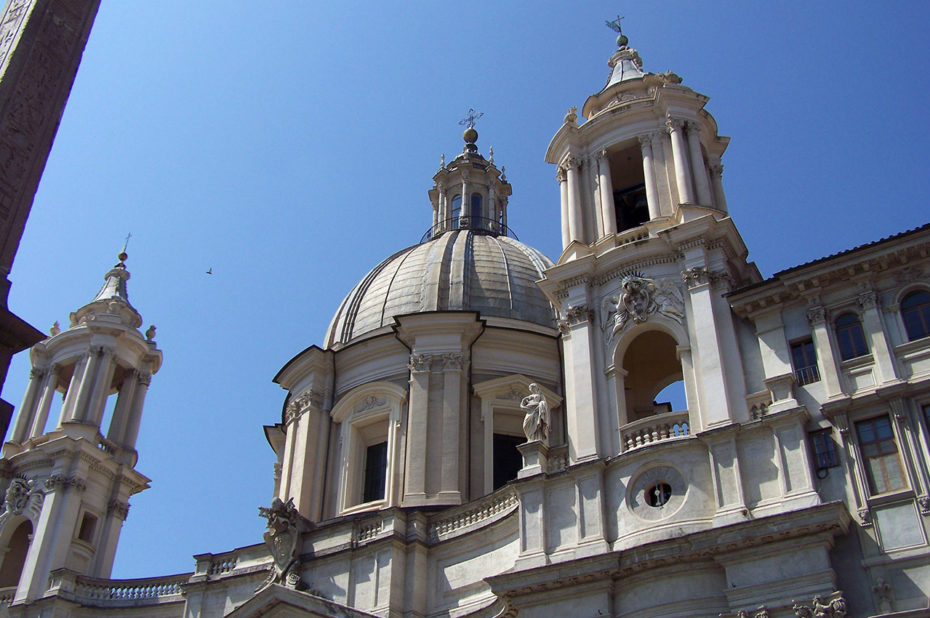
x: 470, y: 119
x: 615, y: 25
x: 122, y: 254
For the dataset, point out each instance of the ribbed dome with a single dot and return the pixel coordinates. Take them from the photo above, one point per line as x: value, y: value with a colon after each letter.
x: 460, y: 270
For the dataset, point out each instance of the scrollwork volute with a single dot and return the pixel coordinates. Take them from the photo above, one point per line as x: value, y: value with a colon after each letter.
x: 302, y: 404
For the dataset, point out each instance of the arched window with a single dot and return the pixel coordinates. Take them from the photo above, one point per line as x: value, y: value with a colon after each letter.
x: 915, y: 311
x: 849, y: 336
x: 456, y: 210
x: 475, y: 211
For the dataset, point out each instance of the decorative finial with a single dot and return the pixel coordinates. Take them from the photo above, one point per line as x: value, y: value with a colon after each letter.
x: 442, y: 161
x: 150, y: 333
x: 470, y: 135
x: 614, y: 25
x: 504, y: 173
x: 122, y: 254
x: 55, y: 329
x: 491, y: 155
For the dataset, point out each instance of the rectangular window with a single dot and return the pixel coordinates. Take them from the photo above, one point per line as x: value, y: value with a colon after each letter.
x: 805, y: 362
x: 824, y: 450
x: 86, y: 531
x: 375, y: 472
x: 880, y: 455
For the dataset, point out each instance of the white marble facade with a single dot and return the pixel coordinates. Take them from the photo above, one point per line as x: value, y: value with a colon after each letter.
x: 413, y: 478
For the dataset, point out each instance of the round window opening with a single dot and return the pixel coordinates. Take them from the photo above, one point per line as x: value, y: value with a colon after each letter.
x: 657, y: 495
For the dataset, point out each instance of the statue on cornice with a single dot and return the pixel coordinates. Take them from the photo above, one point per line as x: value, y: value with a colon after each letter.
x: 536, y: 421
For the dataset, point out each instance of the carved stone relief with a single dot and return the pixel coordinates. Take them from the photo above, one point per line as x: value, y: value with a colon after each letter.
x: 282, y: 537
x: 639, y: 299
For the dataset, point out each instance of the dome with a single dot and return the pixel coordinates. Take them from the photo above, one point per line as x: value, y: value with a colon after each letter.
x: 460, y: 270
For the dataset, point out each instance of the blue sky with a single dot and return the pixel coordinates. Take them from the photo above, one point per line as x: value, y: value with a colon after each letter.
x: 290, y: 145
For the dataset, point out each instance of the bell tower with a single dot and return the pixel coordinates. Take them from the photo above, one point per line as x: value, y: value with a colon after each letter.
x: 647, y: 155
x: 69, y: 486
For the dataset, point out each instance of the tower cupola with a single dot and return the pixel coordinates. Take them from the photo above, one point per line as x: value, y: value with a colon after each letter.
x: 470, y: 193
x: 646, y: 154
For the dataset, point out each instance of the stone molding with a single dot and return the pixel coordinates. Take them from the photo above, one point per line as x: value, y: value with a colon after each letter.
x: 53, y: 482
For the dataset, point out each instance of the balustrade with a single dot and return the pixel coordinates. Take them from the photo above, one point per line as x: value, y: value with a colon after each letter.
x: 658, y: 428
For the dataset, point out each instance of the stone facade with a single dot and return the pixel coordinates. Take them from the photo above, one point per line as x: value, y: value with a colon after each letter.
x: 450, y: 451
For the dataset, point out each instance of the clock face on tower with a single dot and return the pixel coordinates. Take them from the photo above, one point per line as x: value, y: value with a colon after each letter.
x: 657, y: 493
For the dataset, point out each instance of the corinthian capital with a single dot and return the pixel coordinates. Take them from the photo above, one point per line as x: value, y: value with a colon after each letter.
x: 816, y: 315
x: 560, y: 174
x: 572, y: 162
x: 673, y: 124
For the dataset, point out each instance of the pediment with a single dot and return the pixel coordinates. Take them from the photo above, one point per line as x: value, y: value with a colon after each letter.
x: 280, y: 602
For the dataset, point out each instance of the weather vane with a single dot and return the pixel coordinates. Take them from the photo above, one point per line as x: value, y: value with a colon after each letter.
x: 615, y: 25
x: 471, y: 118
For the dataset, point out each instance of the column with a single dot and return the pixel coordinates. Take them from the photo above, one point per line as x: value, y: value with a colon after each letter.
x: 491, y: 209
x: 878, y: 341
x: 716, y: 170
x: 825, y: 360
x: 98, y: 398
x: 80, y: 413
x: 27, y: 410
x: 715, y: 405
x: 466, y: 203
x: 605, y: 184
x: 74, y: 387
x: 102, y: 562
x: 649, y: 174
x: 451, y: 426
x: 682, y: 175
x: 698, y: 169
x: 575, y: 222
x: 563, y: 193
x: 580, y: 402
x: 135, y: 416
x: 443, y: 209
x: 415, y: 485
x: 50, y: 387
x: 117, y: 430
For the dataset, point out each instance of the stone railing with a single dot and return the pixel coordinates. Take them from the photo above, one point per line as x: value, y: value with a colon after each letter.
x: 652, y: 429
x: 478, y: 513
x: 117, y: 592
x: 369, y: 530
x: 222, y: 563
x: 6, y: 595
x: 758, y: 404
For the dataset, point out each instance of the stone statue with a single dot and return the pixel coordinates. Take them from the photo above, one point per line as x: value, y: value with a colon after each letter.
x: 536, y: 421
x: 282, y: 537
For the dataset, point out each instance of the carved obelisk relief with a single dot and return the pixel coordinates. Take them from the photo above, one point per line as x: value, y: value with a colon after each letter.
x: 41, y: 43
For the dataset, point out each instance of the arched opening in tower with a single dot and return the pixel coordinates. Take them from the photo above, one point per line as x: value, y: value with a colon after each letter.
x: 15, y: 557
x: 653, y: 372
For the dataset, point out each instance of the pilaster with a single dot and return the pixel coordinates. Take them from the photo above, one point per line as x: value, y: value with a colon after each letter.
x: 580, y: 399
x: 826, y: 362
